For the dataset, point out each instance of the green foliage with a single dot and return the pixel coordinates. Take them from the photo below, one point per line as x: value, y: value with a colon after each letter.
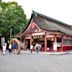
x: 11, y: 15
x: 0, y: 1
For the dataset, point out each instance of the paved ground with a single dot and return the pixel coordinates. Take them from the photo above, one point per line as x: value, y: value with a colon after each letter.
x: 27, y: 62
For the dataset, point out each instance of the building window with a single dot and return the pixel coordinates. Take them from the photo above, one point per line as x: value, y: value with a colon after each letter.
x: 67, y: 41
x: 64, y: 41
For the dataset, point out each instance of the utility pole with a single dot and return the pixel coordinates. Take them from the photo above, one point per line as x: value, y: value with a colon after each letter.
x: 10, y: 33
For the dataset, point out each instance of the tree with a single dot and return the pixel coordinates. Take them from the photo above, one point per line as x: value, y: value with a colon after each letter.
x: 0, y: 1
x: 11, y: 16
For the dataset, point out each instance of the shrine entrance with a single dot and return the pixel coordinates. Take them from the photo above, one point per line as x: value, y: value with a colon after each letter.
x: 28, y: 44
x: 39, y: 39
x: 49, y: 44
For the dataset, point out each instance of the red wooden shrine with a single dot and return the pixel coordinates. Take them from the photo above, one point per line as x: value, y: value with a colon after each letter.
x: 52, y: 34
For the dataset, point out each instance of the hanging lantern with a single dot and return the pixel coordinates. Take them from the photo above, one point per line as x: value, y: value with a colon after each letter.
x: 52, y: 39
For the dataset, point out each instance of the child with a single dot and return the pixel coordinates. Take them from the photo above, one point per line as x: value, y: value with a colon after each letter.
x: 4, y: 48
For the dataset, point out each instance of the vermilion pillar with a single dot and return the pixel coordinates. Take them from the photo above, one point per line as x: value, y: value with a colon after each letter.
x: 24, y: 43
x: 62, y: 44
x: 45, y: 42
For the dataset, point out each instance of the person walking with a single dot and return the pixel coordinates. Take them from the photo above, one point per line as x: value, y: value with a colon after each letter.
x: 37, y: 47
x: 7, y: 45
x: 10, y: 48
x: 4, y: 48
x: 15, y: 47
x: 31, y: 48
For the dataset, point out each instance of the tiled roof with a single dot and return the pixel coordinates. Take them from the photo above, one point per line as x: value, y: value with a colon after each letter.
x: 51, y: 24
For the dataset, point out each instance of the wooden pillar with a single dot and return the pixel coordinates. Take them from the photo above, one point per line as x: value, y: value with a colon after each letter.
x: 24, y: 43
x: 62, y: 44
x: 45, y: 42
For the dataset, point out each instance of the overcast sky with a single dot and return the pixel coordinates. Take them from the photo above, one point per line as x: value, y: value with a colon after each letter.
x: 57, y: 9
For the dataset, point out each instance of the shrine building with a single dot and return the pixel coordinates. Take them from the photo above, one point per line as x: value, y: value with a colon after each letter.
x: 52, y: 34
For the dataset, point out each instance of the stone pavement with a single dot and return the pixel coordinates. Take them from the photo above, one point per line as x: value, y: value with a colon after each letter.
x: 33, y: 62
x: 49, y: 53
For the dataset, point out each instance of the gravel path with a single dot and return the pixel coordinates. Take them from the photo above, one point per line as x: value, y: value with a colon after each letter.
x: 28, y: 62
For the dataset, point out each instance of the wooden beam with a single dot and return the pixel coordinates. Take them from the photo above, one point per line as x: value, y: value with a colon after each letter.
x: 31, y: 40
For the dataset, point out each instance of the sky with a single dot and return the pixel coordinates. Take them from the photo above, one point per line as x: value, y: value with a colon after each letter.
x: 57, y: 9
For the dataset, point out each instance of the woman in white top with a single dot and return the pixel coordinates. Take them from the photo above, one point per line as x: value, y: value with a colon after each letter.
x: 10, y: 48
x: 37, y: 47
